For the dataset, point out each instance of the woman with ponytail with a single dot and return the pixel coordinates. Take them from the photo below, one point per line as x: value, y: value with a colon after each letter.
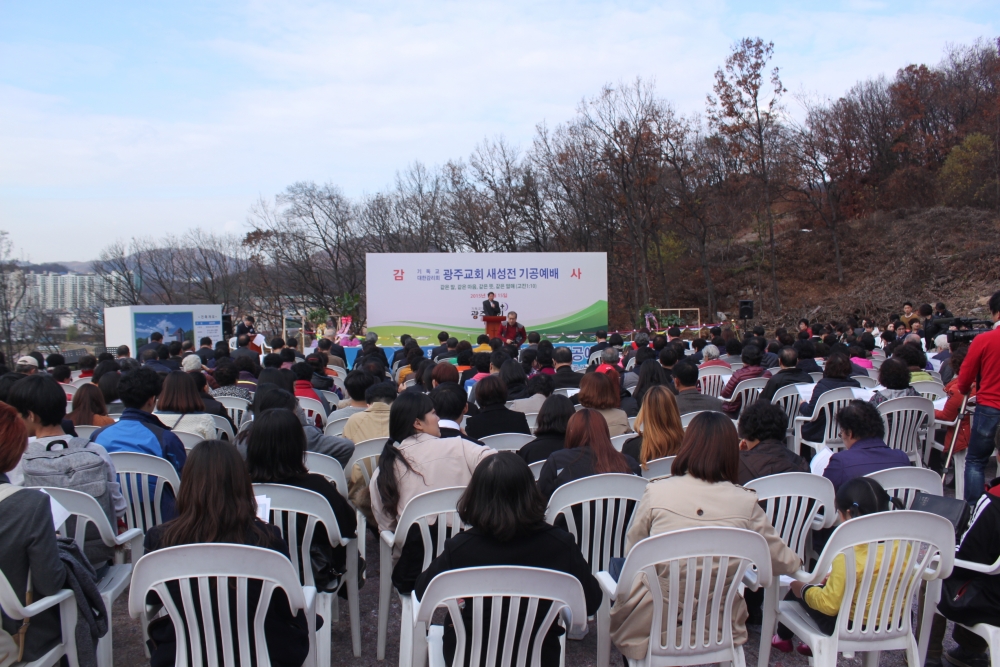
x: 416, y: 459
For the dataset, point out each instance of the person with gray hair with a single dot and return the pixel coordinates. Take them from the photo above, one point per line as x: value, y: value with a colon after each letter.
x: 641, y: 341
x: 610, y: 356
x: 710, y: 353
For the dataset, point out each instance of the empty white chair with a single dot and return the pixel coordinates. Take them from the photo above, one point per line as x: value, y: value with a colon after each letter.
x: 906, y: 422
x: 917, y: 546
x: 499, y: 583
x: 435, y: 510
x: 287, y: 504
x: 536, y: 468
x: 507, y: 441
x: 86, y: 431
x: 189, y: 440
x: 658, y: 468
x: 702, y: 631
x: 336, y: 426
x: 610, y: 501
x: 688, y: 416
x: 619, y: 440
x: 313, y: 409
x: 930, y: 390
x: 87, y: 510
x: 711, y: 380
x: 137, y: 473
x: 904, y: 482
x: 828, y: 404
x: 13, y: 609
x: 866, y: 381
x: 197, y: 565
x: 788, y: 399
x: 329, y: 467
x: 747, y: 391
x: 223, y: 429
x: 235, y: 406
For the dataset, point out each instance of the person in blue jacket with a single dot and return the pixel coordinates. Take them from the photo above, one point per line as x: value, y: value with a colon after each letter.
x: 139, y: 431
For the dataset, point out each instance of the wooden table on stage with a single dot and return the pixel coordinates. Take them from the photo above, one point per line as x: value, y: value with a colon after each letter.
x: 493, y: 323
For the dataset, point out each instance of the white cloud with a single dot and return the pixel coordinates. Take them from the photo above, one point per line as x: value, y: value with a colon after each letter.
x: 331, y: 94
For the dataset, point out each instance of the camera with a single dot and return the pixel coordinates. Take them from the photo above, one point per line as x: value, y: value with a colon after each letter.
x: 967, y: 329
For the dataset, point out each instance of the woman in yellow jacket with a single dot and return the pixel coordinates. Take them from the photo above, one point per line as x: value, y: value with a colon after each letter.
x: 856, y: 498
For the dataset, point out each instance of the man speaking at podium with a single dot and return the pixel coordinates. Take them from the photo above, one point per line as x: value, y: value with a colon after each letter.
x: 491, y: 307
x: 512, y: 331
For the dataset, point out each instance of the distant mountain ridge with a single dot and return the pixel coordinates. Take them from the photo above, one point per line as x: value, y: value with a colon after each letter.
x: 58, y: 267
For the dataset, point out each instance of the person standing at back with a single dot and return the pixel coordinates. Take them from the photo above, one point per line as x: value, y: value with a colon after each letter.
x: 982, y: 362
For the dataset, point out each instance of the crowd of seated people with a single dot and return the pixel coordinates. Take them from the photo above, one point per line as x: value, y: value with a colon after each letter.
x: 431, y: 417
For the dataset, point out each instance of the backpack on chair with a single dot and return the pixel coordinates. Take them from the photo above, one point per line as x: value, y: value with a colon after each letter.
x: 68, y: 464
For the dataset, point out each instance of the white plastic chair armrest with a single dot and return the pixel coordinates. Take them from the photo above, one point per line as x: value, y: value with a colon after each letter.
x: 808, y: 577
x: 992, y: 568
x: 39, y: 606
x: 128, y: 536
x: 751, y: 580
x: 801, y: 419
x: 388, y: 537
x: 309, y: 593
x: 414, y: 608
x: 608, y: 585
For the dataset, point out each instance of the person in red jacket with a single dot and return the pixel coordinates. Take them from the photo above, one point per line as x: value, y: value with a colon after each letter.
x: 982, y: 362
x: 304, y: 389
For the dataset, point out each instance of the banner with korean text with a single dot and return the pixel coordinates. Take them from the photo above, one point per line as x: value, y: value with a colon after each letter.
x: 561, y: 295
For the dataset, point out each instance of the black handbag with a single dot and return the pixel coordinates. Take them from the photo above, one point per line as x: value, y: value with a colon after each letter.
x: 955, y: 510
x: 964, y: 601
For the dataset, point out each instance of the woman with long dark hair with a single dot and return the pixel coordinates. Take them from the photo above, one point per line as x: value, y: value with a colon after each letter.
x: 89, y: 408
x: 507, y: 518
x: 550, y: 429
x: 276, y: 448
x: 108, y: 385
x: 588, y: 451
x: 216, y: 504
x: 703, y: 491
x: 651, y: 374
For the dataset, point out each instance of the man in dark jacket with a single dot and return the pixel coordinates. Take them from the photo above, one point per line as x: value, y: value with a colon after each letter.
x: 494, y: 417
x: 788, y: 360
x: 763, y: 450
x: 565, y: 377
x: 206, y: 352
x: 155, y: 341
x: 689, y: 399
x: 864, y: 450
x: 450, y: 405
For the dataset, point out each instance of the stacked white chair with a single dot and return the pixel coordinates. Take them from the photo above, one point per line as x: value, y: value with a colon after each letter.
x: 605, y: 516
x: 435, y: 510
x: 201, y: 565
x: 114, y: 582
x: 499, y: 583
x: 287, y: 504
x: 917, y: 547
x: 701, y: 632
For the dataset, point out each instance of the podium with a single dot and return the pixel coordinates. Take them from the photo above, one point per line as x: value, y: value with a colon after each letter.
x: 493, y: 323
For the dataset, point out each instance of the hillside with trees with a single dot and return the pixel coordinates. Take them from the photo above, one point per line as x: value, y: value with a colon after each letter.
x: 889, y: 192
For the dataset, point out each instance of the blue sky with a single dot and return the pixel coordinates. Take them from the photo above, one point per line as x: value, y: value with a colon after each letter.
x: 121, y: 119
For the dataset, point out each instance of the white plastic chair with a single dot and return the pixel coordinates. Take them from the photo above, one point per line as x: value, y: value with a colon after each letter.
x: 936, y: 375
x: 13, y: 609
x: 313, y: 409
x: 329, y: 467
x: 235, y: 406
x: 735, y: 365
x: 565, y: 391
x: 79, y: 382
x: 827, y: 404
x: 188, y: 439
x: 532, y: 418
x: 658, y: 468
x: 701, y: 632
x: 330, y: 397
x: 917, y: 546
x: 336, y: 426
x: 904, y: 482
x: 619, y: 440
x: 877, y: 363
x: 710, y: 380
x: 631, y: 423
x: 338, y: 382
x: 816, y: 376
x: 507, y: 441
x: 223, y: 428
x: 630, y: 365
x: 499, y: 583
x: 195, y: 566
x: 69, y: 390
x: 287, y: 504
x: 135, y: 473
x: 873, y: 372
x: 747, y: 391
x: 866, y: 381
x: 688, y: 416
x: 435, y: 510
x: 366, y: 456
x: 990, y: 633
x: 906, y: 422
x: 596, y: 356
x: 605, y: 517
x: 536, y: 468
x: 788, y: 399
x: 932, y: 391
x: 86, y: 431
x: 87, y: 510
